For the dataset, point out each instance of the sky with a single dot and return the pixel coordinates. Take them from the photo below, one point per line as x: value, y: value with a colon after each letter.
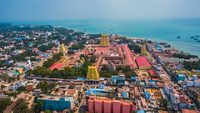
x: 98, y: 9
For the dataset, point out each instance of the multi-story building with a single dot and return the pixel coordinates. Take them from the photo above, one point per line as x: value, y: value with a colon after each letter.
x: 177, y: 97
x: 55, y: 103
x: 104, y: 105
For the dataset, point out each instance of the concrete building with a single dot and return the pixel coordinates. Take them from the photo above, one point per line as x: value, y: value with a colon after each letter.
x: 54, y: 103
x: 29, y: 87
x: 97, y: 92
x: 118, y: 80
x: 177, y: 97
x: 105, y: 105
x: 180, y: 77
x: 194, y: 93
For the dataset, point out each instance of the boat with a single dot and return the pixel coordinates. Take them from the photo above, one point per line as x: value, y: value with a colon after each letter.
x: 198, y: 40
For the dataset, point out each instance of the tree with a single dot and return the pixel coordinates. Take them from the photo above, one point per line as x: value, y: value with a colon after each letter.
x: 184, y: 55
x: 22, y: 107
x: 128, y: 72
x: 107, y: 72
x: 21, y: 88
x: 46, y: 87
x: 5, y: 77
x: 47, y: 111
x: 37, y: 108
x: 192, y: 65
x: 165, y: 103
x: 4, y: 103
x: 77, y: 46
x: 44, y: 48
x: 136, y: 48
x: 42, y: 71
x: 52, y: 60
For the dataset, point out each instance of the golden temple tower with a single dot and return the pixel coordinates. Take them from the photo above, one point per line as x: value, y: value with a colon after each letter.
x: 143, y: 50
x: 63, y: 49
x: 104, y: 40
x: 92, y: 73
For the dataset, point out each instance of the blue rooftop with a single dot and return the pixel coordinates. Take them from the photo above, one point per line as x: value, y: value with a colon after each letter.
x: 96, y: 92
x: 140, y: 111
x: 124, y: 94
x: 147, y: 95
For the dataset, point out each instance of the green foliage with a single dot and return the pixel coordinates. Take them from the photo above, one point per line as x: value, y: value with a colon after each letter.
x: 46, y: 87
x: 5, y: 77
x: 4, y: 64
x: 128, y: 72
x: 67, y: 72
x: 22, y: 107
x: 4, y: 103
x: 106, y: 72
x: 44, y: 48
x: 52, y: 60
x: 47, y: 111
x: 14, y: 93
x: 23, y: 56
x: 21, y: 89
x: 77, y: 46
x: 184, y: 55
x: 136, y: 48
x: 192, y: 65
x: 165, y: 103
x: 48, y: 63
x: 42, y: 71
x: 37, y: 108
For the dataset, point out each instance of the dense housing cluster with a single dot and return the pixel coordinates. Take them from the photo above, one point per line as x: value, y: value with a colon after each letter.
x: 52, y: 69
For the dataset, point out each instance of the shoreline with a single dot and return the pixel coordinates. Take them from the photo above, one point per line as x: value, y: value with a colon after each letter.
x: 179, y: 47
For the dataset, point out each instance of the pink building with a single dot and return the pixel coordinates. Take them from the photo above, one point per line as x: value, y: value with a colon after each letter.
x: 107, y: 106
x: 98, y: 106
x: 133, y: 107
x: 116, y: 106
x: 126, y: 107
x: 110, y: 106
x: 91, y: 106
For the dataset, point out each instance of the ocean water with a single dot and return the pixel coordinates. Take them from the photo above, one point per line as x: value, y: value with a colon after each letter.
x: 158, y: 30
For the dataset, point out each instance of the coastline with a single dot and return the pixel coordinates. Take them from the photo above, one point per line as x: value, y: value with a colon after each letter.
x: 185, y: 44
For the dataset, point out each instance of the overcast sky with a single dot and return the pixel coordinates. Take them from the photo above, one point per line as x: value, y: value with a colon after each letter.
x: 98, y: 9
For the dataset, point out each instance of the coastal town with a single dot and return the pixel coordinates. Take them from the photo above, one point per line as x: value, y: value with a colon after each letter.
x: 47, y: 69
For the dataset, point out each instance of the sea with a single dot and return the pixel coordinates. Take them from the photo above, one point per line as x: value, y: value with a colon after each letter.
x: 157, y: 30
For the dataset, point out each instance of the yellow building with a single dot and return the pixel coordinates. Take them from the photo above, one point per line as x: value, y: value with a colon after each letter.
x: 104, y: 40
x: 92, y: 73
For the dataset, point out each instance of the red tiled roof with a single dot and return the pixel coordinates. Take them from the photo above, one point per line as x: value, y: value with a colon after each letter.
x: 182, y: 99
x: 142, y: 61
x: 56, y: 66
x: 190, y: 111
x: 152, y: 72
x: 128, y: 56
